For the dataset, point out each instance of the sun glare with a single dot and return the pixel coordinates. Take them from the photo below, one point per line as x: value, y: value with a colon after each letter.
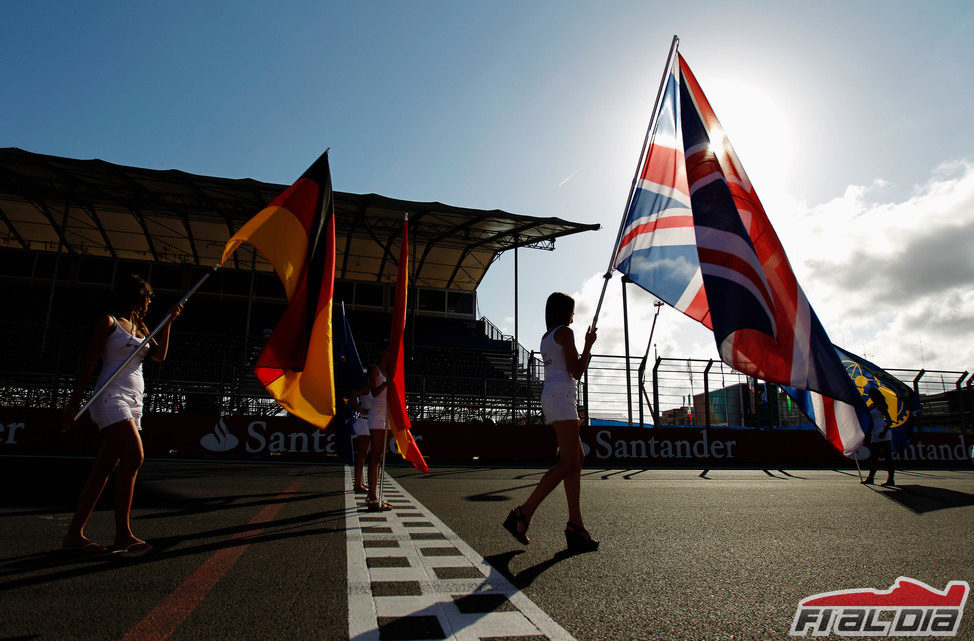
x: 760, y: 130
x: 716, y: 146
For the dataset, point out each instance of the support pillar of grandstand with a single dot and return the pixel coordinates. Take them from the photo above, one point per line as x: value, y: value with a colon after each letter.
x: 514, y: 347
x: 57, y: 266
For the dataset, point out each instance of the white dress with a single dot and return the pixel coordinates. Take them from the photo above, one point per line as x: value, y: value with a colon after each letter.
x: 559, y: 396
x: 123, y: 398
x: 361, y: 425
x: 377, y: 415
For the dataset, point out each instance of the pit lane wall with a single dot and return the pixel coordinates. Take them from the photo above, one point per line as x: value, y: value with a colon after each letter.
x: 38, y: 431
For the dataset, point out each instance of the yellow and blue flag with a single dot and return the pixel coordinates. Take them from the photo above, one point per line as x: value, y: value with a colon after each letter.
x: 902, y: 401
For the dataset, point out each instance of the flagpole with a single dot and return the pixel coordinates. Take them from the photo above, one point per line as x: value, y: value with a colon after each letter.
x: 385, y: 447
x: 635, y: 178
x: 391, y: 374
x: 162, y: 324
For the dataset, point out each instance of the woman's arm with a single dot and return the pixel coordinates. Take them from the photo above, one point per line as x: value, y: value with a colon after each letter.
x: 576, y: 363
x: 377, y: 388
x: 160, y: 349
x: 96, y: 344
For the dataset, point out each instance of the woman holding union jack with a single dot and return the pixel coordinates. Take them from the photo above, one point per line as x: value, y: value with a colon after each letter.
x: 559, y: 401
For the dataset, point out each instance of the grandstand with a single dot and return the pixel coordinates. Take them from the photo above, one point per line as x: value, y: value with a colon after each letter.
x: 69, y: 228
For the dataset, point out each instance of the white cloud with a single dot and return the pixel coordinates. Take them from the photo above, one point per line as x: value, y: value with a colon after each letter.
x: 884, y: 276
x: 675, y: 336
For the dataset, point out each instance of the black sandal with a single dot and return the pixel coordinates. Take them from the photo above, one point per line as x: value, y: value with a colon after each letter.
x: 578, y: 539
x: 513, y: 524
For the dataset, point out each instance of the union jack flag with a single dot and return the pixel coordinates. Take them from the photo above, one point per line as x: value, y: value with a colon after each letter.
x: 696, y: 236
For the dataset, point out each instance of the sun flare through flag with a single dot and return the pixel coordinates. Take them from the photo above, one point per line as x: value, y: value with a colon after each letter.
x: 696, y: 236
x: 296, y: 234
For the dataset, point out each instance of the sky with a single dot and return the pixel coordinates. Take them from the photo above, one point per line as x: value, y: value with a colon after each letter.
x: 852, y: 120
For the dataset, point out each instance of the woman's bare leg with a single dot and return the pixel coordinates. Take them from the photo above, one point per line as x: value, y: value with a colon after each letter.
x: 127, y: 443
x: 573, y: 482
x: 375, y: 459
x: 361, y: 452
x: 568, y: 467
x: 105, y: 462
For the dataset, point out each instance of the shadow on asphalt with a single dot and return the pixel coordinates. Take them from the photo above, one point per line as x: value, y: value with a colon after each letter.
x: 53, y: 488
x: 921, y: 499
x: 150, y: 494
x: 68, y: 564
x: 56, y: 487
x: 496, y: 495
x: 524, y: 578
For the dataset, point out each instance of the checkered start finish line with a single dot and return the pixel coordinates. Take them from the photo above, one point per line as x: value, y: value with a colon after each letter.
x: 410, y: 577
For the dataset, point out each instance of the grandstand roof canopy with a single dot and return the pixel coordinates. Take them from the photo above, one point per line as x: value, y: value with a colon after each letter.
x: 132, y: 213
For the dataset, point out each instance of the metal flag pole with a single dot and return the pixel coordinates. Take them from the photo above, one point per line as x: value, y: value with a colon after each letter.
x: 858, y: 469
x: 159, y: 328
x: 385, y: 448
x: 385, y: 431
x: 635, y: 178
x: 625, y: 333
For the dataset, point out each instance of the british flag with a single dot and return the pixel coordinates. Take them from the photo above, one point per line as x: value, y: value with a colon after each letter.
x: 697, y: 237
x: 657, y: 247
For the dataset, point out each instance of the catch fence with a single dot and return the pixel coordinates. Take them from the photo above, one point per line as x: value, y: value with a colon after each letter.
x: 674, y: 391
x: 496, y: 383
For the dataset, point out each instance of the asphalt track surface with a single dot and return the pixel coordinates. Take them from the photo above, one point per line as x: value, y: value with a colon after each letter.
x: 262, y: 550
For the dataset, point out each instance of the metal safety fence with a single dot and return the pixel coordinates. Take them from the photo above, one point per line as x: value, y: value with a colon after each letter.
x: 675, y: 391
x: 209, y: 373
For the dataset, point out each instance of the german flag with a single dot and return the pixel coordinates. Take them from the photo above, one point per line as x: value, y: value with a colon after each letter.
x: 296, y: 233
x: 398, y: 419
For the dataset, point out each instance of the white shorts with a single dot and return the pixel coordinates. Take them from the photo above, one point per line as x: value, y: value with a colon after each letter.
x: 112, y: 407
x: 559, y: 405
x: 361, y: 426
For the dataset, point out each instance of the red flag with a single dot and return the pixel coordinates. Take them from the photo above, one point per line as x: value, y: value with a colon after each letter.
x: 296, y: 233
x: 396, y: 390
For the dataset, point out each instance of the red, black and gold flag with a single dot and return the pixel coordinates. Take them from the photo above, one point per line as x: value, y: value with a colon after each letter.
x: 296, y: 233
x: 396, y: 397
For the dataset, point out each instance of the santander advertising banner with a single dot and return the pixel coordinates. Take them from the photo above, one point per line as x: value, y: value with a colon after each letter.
x: 38, y: 431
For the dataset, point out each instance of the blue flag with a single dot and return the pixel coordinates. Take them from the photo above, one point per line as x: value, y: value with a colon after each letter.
x: 349, y: 378
x: 903, y: 402
x: 349, y: 372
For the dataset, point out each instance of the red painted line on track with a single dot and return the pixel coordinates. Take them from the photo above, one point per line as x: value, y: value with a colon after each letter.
x: 166, y: 617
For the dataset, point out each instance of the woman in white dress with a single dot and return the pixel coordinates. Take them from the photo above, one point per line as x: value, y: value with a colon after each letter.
x: 378, y: 382
x: 362, y: 402
x: 563, y: 367
x: 118, y: 411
